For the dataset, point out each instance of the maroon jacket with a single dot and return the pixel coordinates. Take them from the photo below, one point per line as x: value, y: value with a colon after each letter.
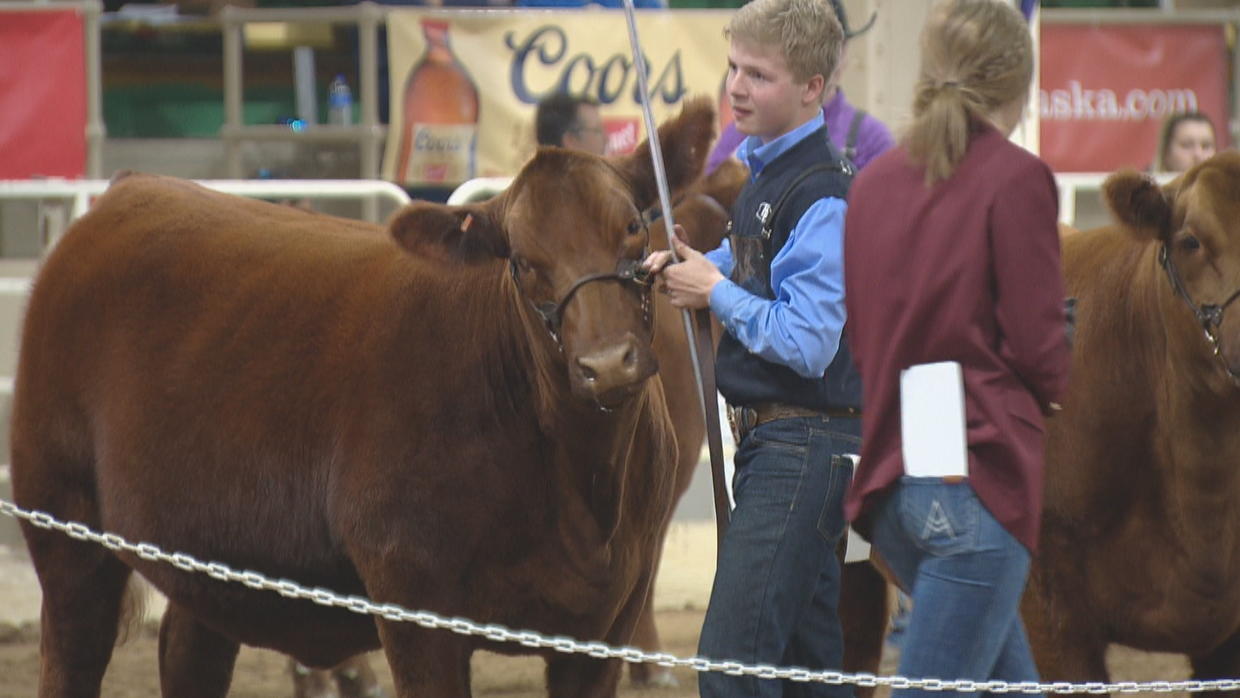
x: 966, y: 270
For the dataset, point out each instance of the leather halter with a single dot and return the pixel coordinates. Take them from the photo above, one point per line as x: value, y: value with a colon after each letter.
x: 1209, y: 315
x: 627, y: 271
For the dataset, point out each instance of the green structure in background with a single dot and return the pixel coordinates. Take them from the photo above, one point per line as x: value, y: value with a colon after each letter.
x: 165, y: 81
x: 194, y: 110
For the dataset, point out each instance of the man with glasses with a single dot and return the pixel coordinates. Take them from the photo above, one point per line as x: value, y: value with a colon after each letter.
x: 570, y: 122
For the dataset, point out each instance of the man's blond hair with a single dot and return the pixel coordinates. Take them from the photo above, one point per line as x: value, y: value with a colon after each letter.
x: 806, y: 32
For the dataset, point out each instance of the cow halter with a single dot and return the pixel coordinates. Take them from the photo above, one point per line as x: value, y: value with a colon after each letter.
x: 627, y: 271
x: 1209, y: 315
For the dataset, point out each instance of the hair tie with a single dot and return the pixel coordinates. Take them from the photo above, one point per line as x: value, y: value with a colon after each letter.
x: 949, y: 83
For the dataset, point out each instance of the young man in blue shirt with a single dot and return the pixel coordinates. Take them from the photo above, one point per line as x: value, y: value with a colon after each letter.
x: 777, y: 286
x: 857, y: 134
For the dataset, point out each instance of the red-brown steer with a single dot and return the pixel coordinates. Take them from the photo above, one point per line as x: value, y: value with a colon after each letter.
x: 468, y: 429
x: 1141, y: 527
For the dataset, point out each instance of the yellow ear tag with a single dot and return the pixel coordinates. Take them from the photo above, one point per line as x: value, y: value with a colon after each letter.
x: 469, y: 220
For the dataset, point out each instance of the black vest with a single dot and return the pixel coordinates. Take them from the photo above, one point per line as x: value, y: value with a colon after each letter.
x: 762, y: 219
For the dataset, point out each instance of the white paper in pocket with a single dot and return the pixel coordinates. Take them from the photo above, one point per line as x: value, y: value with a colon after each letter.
x: 932, y: 420
x: 857, y: 549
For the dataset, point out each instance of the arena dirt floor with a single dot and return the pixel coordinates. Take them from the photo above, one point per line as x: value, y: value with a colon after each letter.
x: 681, y: 594
x: 263, y: 674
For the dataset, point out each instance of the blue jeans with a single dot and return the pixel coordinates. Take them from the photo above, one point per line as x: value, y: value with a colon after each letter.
x: 966, y: 573
x: 776, y: 594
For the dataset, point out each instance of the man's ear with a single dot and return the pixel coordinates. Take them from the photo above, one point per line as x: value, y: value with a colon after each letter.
x: 468, y: 234
x: 1139, y: 204
x: 815, y: 89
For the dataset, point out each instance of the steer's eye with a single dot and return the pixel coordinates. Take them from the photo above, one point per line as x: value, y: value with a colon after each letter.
x: 634, y: 227
x: 1189, y: 243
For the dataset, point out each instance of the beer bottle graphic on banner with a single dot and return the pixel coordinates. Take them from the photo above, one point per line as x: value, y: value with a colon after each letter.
x: 438, y: 139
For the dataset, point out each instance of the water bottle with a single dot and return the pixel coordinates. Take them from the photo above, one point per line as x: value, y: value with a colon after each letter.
x: 339, y: 102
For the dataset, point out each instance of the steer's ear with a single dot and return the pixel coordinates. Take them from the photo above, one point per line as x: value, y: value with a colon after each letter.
x: 1138, y: 203
x: 456, y: 233
x: 685, y: 142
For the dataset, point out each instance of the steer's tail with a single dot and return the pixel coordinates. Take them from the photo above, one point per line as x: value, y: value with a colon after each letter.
x: 133, y: 610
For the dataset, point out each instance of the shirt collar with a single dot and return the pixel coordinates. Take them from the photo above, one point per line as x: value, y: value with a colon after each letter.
x: 756, y: 154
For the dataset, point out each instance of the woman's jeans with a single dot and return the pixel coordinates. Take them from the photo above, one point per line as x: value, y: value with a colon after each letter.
x: 966, y: 574
x: 776, y: 594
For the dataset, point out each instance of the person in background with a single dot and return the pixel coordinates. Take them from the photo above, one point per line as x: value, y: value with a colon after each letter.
x: 855, y: 133
x: 1185, y: 140
x: 781, y: 364
x: 562, y: 120
x: 952, y: 254
x: 570, y: 121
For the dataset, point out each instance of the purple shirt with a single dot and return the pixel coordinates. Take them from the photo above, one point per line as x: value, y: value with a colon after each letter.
x: 872, y: 136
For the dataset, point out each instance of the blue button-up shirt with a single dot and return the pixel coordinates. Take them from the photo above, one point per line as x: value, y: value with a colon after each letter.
x: 801, y: 327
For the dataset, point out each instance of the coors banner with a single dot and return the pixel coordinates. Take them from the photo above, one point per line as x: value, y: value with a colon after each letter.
x: 465, y: 84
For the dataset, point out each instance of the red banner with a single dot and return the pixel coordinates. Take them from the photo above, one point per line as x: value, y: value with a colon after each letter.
x: 42, y: 94
x: 1105, y: 90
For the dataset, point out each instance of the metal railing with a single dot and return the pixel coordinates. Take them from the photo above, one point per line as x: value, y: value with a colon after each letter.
x: 79, y: 192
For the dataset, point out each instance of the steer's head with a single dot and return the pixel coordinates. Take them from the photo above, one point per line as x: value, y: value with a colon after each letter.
x: 1196, y: 219
x: 571, y: 230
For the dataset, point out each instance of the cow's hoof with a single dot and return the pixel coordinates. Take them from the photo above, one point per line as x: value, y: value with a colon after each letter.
x: 656, y: 677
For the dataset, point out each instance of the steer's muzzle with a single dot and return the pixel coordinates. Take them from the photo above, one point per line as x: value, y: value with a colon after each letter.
x: 610, y: 375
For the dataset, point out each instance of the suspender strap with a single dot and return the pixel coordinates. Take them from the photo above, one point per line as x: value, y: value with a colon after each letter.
x: 768, y: 228
x: 854, y: 130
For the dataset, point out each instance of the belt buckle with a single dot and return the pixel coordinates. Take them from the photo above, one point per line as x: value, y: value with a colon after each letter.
x: 742, y: 420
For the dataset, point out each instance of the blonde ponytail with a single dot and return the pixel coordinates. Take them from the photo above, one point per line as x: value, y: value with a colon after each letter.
x: 976, y: 55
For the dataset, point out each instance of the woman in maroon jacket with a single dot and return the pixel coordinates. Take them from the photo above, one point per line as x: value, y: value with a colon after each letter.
x: 952, y: 254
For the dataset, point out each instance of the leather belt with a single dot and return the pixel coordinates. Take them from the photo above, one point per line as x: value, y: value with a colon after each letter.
x: 743, y: 418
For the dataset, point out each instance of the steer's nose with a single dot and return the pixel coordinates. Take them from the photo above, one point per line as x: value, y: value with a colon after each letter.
x: 614, y: 367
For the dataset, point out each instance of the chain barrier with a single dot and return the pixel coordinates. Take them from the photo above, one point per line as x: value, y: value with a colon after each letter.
x: 566, y: 645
